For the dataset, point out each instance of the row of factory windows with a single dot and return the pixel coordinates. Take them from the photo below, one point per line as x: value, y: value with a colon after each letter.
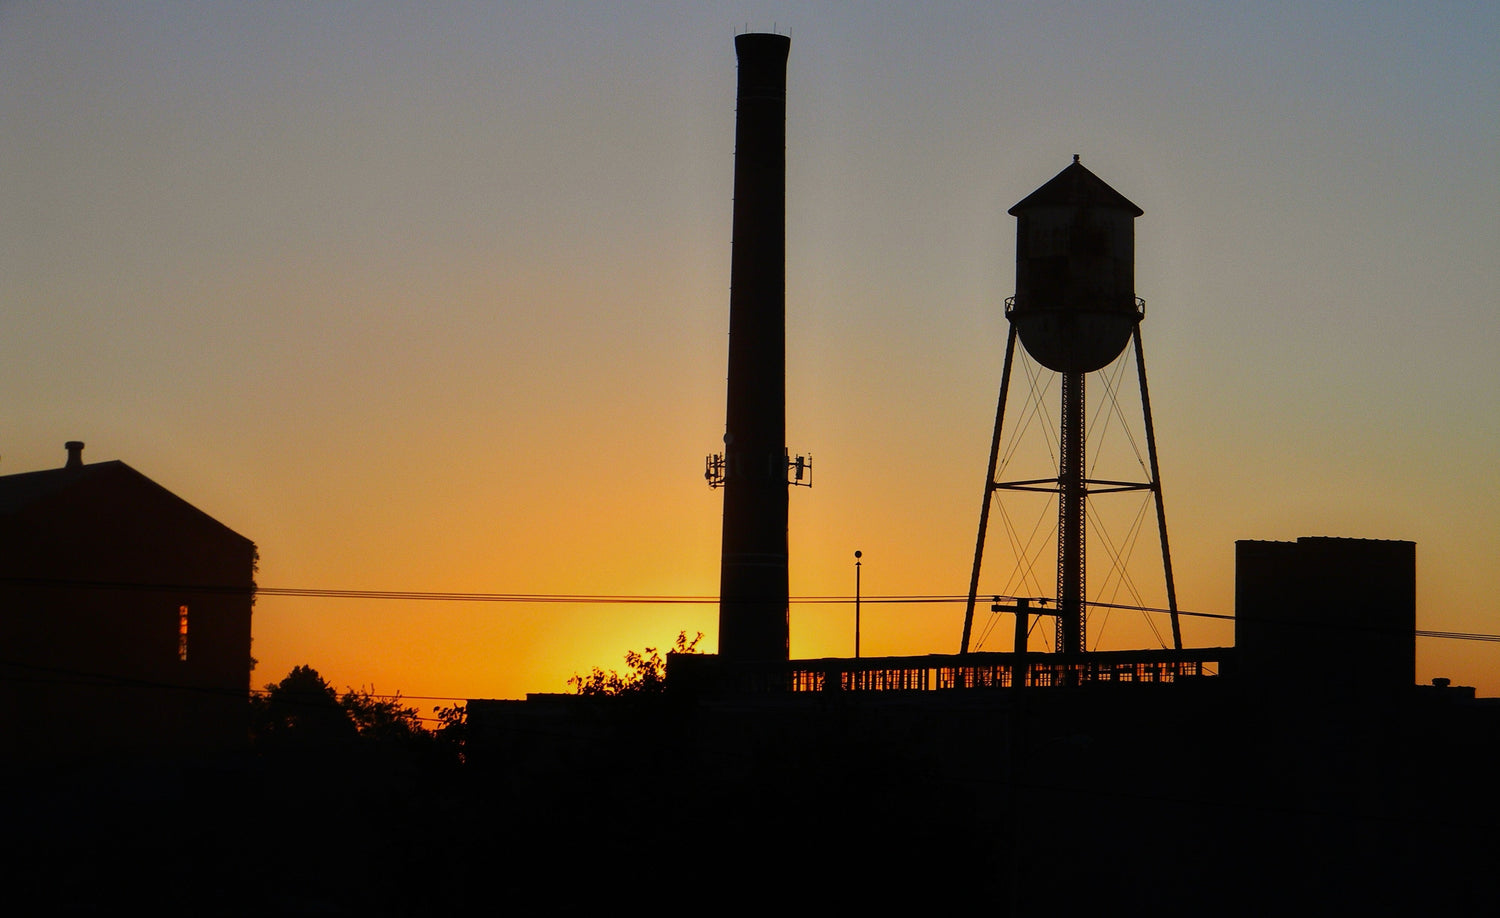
x: 996, y: 675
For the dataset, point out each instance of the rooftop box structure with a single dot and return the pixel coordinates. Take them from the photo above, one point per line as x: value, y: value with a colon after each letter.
x: 1331, y: 616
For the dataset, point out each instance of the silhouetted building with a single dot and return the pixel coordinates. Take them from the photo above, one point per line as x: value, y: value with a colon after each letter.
x: 124, y: 616
x: 1300, y: 767
x: 1327, y: 616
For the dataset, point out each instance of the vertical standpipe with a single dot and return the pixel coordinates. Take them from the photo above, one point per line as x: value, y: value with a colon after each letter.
x: 753, y: 585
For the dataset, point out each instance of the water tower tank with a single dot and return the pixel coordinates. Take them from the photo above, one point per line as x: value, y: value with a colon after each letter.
x: 1075, y: 306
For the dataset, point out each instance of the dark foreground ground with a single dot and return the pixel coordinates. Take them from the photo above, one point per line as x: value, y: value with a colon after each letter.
x: 1203, y: 805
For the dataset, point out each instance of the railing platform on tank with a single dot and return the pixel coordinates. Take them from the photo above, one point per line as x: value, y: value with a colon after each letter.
x: 944, y: 672
x: 1140, y: 307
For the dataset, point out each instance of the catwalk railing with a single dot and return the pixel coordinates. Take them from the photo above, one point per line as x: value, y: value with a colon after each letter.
x: 941, y: 672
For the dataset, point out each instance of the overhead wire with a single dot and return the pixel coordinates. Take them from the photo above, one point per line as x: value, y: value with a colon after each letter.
x: 667, y: 599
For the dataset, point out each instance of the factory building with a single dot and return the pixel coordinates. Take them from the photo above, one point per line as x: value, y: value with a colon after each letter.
x: 1300, y: 766
x: 124, y: 617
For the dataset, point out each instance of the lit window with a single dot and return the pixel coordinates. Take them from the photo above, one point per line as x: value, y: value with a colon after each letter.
x: 182, y: 617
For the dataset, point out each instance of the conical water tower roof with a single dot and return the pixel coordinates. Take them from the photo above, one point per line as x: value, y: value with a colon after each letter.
x: 1076, y: 186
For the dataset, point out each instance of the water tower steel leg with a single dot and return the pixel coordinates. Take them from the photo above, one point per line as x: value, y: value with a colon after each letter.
x: 1161, y: 512
x: 989, y: 488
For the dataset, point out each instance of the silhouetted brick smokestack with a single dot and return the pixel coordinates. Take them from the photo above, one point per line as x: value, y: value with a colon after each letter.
x: 753, y: 573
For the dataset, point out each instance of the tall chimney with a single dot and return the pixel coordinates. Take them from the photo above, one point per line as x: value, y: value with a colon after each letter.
x: 753, y: 586
x: 75, y: 454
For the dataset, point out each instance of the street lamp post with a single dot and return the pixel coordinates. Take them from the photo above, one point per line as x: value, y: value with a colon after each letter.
x: 856, y: 604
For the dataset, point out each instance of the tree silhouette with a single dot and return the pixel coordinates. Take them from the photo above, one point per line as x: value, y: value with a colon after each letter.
x: 382, y: 719
x: 302, y: 709
x: 453, y: 730
x: 645, y: 672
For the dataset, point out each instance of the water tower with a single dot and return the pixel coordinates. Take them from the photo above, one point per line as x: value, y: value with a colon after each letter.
x: 1075, y: 311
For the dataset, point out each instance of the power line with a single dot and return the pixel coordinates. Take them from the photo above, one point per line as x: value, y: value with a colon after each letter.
x: 647, y: 599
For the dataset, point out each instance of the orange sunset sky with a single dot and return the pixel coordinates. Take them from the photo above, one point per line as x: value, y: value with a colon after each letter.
x: 436, y: 299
